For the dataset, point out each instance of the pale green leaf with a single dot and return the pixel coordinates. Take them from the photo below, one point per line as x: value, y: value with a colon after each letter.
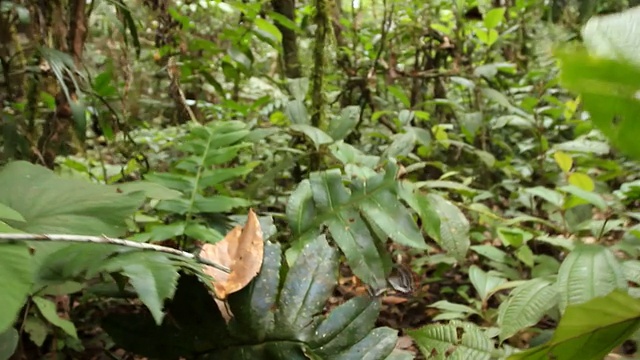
x: 383, y: 209
x: 590, y: 330
x: 16, y: 278
x: 484, y: 282
x: 8, y: 213
x: 297, y: 112
x: 317, y: 136
x: 301, y: 211
x: 342, y: 125
x: 590, y: 197
x: 552, y: 196
x: 582, y: 181
x: 564, y: 161
x: 269, y: 29
x: 443, y: 342
x: 49, y: 311
x: 525, y: 306
x: 494, y: 17
x: 588, y: 271
x: 454, y: 227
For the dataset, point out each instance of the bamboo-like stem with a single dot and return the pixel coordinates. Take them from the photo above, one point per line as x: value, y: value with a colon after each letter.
x: 7, y: 237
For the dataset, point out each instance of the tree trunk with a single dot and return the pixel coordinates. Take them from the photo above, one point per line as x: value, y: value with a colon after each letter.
x: 290, y: 58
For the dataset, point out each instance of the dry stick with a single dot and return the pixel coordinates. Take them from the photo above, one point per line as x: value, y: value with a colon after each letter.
x: 107, y: 240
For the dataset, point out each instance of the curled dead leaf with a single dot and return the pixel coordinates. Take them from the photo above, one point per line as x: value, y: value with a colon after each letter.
x: 242, y: 251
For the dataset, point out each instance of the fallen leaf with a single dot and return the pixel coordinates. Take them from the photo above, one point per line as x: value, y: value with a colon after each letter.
x: 242, y: 251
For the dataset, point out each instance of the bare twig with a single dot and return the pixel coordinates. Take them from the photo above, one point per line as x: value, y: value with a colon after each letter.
x: 107, y: 240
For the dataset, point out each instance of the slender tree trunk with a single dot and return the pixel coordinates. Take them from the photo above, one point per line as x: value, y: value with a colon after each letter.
x: 290, y: 58
x: 69, y: 27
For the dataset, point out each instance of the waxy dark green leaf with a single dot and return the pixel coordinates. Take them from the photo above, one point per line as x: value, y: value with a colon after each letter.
x: 253, y: 307
x: 345, y: 325
x: 301, y: 211
x: 306, y: 288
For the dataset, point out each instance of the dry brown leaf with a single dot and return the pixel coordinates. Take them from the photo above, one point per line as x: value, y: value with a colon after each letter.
x: 242, y: 251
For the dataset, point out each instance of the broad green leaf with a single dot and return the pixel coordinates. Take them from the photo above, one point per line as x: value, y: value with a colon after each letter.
x: 51, y: 204
x: 4, y: 228
x: 588, y: 271
x: 552, y: 196
x: 8, y: 343
x: 203, y: 233
x: 526, y: 306
x: 608, y: 89
x: 401, y: 145
x: 62, y: 261
x: 217, y: 176
x: 564, y: 161
x: 385, y: 210
x: 443, y: 342
x: 614, y: 36
x: 269, y: 29
x: 512, y: 120
x: 400, y: 95
x: 219, y: 204
x: 153, y: 275
x: 484, y: 282
x: 317, y: 136
x: 8, y: 213
x: 307, y: 286
x: 347, y: 227
x: 165, y: 232
x: 581, y: 181
x: 497, y: 96
x: 65, y: 288
x: 150, y: 190
x: 224, y: 155
x: 585, y: 146
x: 301, y: 210
x: 49, y: 311
x: 346, y: 325
x: 454, y: 227
x: 513, y: 236
x: 494, y: 17
x: 420, y: 203
x: 525, y: 254
x: 453, y: 307
x: 377, y: 345
x: 298, y: 87
x: 492, y: 253
x: 298, y: 244
x: 353, y: 237
x: 590, y: 330
x: 16, y: 277
x: 632, y: 270
x: 254, y: 306
x: 342, y: 125
x: 179, y: 182
x: 590, y: 197
x: 240, y: 58
x: 297, y: 112
x: 37, y: 329
x: 348, y: 154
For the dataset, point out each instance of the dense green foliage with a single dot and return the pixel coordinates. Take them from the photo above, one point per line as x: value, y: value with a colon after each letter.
x: 434, y: 179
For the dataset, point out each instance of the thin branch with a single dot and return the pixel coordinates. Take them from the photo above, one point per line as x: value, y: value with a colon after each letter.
x: 107, y: 240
